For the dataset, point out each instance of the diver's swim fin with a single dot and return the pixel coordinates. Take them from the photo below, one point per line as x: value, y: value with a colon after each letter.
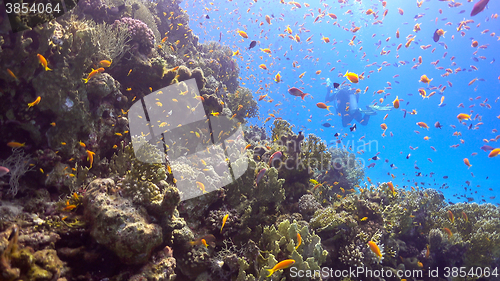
x: 369, y: 111
x: 336, y: 85
x: 380, y: 108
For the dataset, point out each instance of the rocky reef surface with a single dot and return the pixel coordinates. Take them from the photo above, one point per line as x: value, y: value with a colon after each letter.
x: 79, y: 204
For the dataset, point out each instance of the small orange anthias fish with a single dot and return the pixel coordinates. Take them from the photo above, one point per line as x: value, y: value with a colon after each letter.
x: 69, y: 207
x: 323, y: 106
x: 276, y: 155
x: 43, y: 62
x: 375, y: 249
x: 281, y: 265
x: 352, y: 77
x: 93, y: 73
x: 207, y: 240
x: 297, y: 92
x: 90, y: 157
x: 35, y: 102
x: 15, y: 144
x: 451, y: 217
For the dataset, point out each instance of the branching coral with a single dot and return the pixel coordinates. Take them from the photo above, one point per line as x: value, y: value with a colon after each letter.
x: 344, y: 169
x: 111, y: 41
x: 242, y: 103
x: 474, y: 225
x: 282, y: 243
x: 314, y: 153
x: 19, y: 164
x: 139, y: 33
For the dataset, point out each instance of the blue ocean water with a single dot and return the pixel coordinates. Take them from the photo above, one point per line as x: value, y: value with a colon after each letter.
x: 414, y: 161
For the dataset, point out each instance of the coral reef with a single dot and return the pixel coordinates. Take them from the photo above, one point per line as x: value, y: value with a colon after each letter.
x: 140, y: 34
x: 92, y: 201
x: 119, y: 225
x: 19, y: 164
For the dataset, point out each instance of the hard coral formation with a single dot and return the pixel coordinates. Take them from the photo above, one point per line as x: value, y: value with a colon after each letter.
x: 282, y: 242
x: 23, y: 263
x: 118, y: 224
x: 140, y: 34
x: 257, y: 205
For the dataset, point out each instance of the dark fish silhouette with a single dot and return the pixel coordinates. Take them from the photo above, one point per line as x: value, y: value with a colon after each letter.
x: 353, y: 128
x: 328, y: 125
x: 252, y: 44
x: 479, y: 7
x: 435, y: 37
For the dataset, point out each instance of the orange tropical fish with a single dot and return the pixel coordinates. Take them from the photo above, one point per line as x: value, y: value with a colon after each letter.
x: 333, y: 16
x: 423, y: 93
x: 201, y: 186
x: 35, y: 102
x: 69, y: 207
x: 90, y: 157
x: 15, y: 144
x: 263, y: 66
x: 207, y: 240
x: 466, y: 162
x: 107, y: 63
x: 383, y: 126
x: 451, y: 217
x: 277, y: 78
x: 375, y: 249
x: 352, y: 77
x: 299, y: 241
x: 494, y: 152
x: 43, y: 62
x: 279, y: 266
x: 12, y: 74
x: 463, y: 116
x: 268, y: 19
x: 391, y: 187
x: 243, y: 34
x: 224, y: 219
x: 297, y: 92
x: 448, y: 231
x: 395, y: 103
x: 425, y: 79
x: 465, y: 217
x: 323, y: 106
x: 266, y: 50
x: 93, y: 73
x: 423, y: 125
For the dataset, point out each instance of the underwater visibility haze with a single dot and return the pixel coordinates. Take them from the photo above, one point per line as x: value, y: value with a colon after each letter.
x: 249, y: 140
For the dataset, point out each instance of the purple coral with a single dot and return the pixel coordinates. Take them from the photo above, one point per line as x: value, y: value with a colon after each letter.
x: 140, y: 34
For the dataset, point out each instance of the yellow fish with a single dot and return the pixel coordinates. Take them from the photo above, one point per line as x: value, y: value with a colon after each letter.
x: 35, y: 102
x: 224, y: 219
x: 90, y: 157
x: 105, y: 63
x: 43, y: 62
x: 281, y: 265
x: 299, y: 241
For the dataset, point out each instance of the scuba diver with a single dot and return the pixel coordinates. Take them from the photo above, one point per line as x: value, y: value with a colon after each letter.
x: 346, y: 104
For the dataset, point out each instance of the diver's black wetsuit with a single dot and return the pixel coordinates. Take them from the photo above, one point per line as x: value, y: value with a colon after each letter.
x: 346, y: 103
